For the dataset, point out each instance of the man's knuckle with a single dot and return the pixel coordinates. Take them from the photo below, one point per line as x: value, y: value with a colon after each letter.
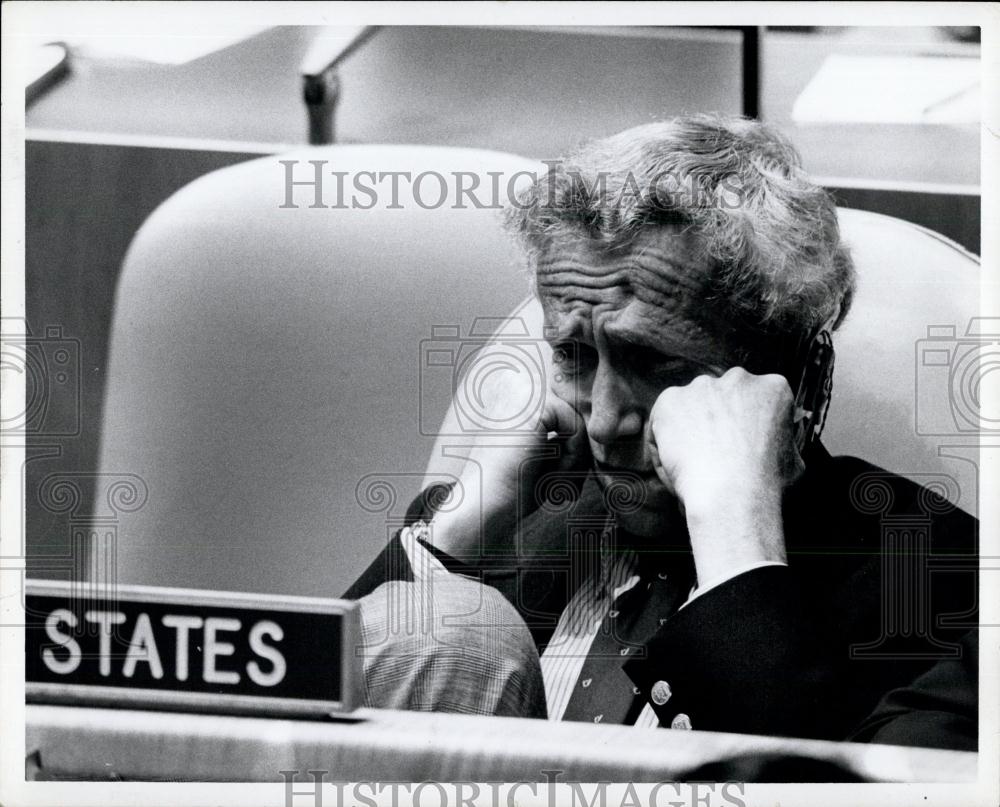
x: 781, y: 388
x: 775, y: 383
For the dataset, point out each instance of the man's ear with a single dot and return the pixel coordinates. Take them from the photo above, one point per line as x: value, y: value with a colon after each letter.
x: 812, y: 398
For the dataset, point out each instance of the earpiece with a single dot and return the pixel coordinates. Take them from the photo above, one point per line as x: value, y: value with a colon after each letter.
x: 812, y: 398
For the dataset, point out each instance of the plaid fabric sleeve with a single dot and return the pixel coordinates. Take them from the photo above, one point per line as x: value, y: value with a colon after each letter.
x: 448, y: 645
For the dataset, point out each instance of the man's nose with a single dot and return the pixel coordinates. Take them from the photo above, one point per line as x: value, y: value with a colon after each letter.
x: 613, y: 412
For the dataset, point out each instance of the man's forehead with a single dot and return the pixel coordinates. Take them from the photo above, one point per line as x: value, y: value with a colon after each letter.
x: 662, y: 269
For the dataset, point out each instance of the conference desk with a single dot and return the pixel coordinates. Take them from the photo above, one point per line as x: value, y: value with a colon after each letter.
x: 528, y: 91
x: 534, y: 92
x: 67, y: 742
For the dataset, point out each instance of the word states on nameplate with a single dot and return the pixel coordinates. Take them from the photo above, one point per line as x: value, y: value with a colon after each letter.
x: 190, y: 650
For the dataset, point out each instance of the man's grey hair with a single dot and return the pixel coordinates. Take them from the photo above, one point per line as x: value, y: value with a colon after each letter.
x: 771, y: 234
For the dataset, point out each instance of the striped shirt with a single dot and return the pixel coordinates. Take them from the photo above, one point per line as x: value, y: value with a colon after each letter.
x: 591, y: 608
x: 567, y: 650
x: 579, y: 623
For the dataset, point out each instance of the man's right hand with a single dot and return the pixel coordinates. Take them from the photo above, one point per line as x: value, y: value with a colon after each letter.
x: 505, y: 474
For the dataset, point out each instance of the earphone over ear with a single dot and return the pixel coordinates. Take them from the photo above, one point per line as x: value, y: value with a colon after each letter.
x: 812, y: 398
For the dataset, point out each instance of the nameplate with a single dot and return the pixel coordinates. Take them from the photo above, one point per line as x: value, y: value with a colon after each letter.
x: 190, y: 650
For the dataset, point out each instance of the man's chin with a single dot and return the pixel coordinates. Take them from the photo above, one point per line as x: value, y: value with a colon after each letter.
x: 646, y: 508
x: 660, y: 526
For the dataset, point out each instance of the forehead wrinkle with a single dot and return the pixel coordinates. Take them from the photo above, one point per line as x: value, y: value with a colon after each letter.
x: 667, y: 266
x: 673, y: 295
x: 577, y: 277
x: 561, y: 299
x: 584, y: 266
x: 670, y: 265
x: 653, y: 327
x: 566, y: 281
x: 656, y: 283
x: 686, y: 272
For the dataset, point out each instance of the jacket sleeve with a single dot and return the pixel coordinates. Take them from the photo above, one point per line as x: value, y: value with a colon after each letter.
x: 745, y: 657
x: 805, y: 650
x: 939, y: 709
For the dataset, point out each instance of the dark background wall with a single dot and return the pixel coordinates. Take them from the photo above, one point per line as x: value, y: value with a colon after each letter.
x: 84, y: 203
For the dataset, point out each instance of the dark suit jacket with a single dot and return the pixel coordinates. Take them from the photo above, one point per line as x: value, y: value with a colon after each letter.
x: 939, y: 709
x: 880, y: 585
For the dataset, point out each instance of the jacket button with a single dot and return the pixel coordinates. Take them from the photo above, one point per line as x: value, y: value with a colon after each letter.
x: 660, y: 693
x: 682, y: 721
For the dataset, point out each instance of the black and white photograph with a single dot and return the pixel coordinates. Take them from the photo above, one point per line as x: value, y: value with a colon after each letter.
x: 432, y: 404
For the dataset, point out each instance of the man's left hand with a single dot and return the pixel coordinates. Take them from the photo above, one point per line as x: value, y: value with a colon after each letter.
x: 725, y: 446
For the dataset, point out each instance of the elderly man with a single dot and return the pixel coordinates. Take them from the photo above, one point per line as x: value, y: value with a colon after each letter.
x: 712, y: 568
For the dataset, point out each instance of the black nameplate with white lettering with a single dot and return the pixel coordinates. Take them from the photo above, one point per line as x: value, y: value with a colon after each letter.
x: 139, y: 646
